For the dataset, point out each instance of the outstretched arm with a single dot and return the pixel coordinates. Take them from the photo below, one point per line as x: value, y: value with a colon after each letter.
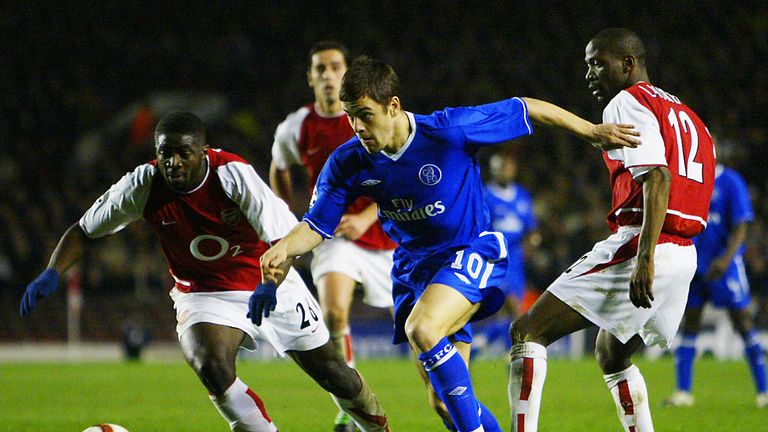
x: 300, y: 240
x: 656, y: 183
x: 353, y: 226
x: 602, y: 136
x: 67, y: 252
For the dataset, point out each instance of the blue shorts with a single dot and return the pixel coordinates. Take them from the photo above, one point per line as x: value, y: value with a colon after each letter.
x: 477, y: 271
x: 730, y: 291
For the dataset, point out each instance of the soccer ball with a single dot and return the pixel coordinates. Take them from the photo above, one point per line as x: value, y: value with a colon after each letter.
x: 106, y: 427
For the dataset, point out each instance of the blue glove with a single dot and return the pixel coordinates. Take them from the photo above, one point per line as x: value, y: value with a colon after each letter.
x: 263, y: 300
x: 45, y: 285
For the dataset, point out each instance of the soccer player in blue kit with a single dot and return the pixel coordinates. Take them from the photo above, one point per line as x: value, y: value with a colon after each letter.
x: 721, y: 278
x: 421, y: 171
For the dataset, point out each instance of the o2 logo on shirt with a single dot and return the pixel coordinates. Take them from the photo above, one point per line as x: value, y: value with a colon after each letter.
x: 430, y: 174
x: 211, y: 254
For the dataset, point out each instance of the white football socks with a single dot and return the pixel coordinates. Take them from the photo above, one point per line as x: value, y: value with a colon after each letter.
x: 243, y: 409
x: 365, y: 409
x: 527, y: 373
x: 631, y: 398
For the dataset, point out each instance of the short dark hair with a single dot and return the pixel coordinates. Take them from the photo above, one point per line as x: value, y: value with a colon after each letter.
x: 369, y: 77
x: 622, y: 41
x: 325, y: 45
x: 182, y: 123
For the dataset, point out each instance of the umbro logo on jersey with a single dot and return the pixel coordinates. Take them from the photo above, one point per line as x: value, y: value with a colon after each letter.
x: 370, y: 182
x: 458, y: 391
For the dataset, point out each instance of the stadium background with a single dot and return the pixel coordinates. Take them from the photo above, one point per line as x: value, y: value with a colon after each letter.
x: 83, y: 82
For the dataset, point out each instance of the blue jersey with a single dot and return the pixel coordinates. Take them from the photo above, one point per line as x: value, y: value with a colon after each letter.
x: 429, y: 193
x: 729, y: 207
x: 511, y: 210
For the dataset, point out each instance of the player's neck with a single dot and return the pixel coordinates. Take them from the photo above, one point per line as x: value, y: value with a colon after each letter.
x: 328, y: 108
x: 400, y: 133
x: 637, y: 77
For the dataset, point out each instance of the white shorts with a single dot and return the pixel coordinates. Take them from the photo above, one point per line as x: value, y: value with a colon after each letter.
x: 371, y: 268
x: 603, y: 296
x: 296, y: 324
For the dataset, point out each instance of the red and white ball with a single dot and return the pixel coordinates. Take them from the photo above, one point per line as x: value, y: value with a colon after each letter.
x: 106, y: 427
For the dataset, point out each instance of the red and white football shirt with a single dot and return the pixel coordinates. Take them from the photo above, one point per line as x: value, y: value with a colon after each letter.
x: 212, y: 236
x: 306, y: 137
x: 672, y: 135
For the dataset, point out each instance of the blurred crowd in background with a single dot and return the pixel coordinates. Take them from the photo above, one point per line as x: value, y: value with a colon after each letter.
x: 83, y: 85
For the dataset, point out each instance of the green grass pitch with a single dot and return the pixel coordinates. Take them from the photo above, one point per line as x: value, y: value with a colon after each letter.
x: 167, y: 397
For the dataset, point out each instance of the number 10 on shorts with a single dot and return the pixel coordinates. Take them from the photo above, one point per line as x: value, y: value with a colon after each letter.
x: 473, y: 267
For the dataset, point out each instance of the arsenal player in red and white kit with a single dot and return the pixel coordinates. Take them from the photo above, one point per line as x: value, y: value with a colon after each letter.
x: 361, y: 253
x: 633, y: 285
x: 215, y: 217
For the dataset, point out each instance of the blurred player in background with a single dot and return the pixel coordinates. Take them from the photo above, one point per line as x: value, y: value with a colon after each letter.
x: 722, y: 279
x: 634, y: 284
x: 360, y: 252
x: 421, y: 171
x: 215, y: 217
x: 511, y: 209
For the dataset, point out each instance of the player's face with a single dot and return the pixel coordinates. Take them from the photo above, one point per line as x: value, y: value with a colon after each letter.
x: 325, y: 73
x: 606, y: 74
x: 503, y: 169
x: 373, y: 123
x: 181, y: 161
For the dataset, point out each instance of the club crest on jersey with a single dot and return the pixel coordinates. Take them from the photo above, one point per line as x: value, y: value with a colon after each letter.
x: 430, y: 174
x: 231, y: 216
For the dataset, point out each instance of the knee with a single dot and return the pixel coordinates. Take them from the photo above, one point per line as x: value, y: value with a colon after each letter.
x: 215, y: 371
x: 421, y: 335
x: 520, y: 331
x: 610, y: 362
x: 742, y: 323
x: 336, y: 317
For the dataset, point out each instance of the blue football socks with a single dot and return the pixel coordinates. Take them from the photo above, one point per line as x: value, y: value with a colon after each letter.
x: 684, y: 356
x: 754, y: 353
x: 450, y: 378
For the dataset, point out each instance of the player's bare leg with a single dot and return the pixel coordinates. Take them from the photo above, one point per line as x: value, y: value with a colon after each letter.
x: 624, y: 380
x: 336, y: 291
x: 211, y: 350
x: 548, y: 320
x: 347, y: 387
x: 439, y: 312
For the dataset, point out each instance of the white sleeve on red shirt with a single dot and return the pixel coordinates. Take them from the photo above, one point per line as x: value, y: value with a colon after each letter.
x: 285, y: 148
x: 267, y: 214
x: 624, y: 108
x: 122, y: 204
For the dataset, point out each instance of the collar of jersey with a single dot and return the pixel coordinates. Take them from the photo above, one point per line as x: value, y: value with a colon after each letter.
x: 207, y: 172
x: 396, y: 156
x: 334, y: 115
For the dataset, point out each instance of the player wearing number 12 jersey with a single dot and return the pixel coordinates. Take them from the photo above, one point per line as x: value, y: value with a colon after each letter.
x: 634, y: 284
x: 215, y: 217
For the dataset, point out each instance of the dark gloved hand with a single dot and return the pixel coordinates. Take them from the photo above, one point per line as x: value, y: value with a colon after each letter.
x: 263, y: 300
x: 45, y: 285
